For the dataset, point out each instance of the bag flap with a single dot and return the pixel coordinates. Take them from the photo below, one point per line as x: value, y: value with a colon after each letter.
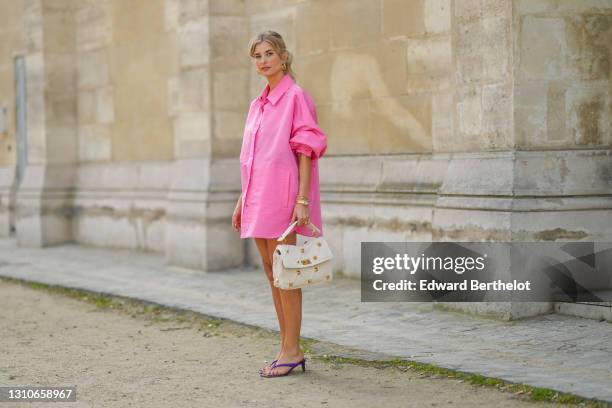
x: 313, y: 252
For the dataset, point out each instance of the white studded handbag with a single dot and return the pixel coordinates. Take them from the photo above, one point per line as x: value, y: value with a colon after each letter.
x: 296, y: 266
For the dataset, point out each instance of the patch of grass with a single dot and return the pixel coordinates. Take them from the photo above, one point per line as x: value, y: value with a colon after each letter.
x: 134, y: 307
x: 306, y: 345
x: 521, y: 390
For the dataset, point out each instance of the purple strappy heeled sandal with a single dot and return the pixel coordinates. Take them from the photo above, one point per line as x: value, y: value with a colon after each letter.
x: 271, y: 364
x: 292, y: 365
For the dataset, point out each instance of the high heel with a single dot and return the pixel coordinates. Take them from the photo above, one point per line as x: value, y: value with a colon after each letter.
x: 292, y: 365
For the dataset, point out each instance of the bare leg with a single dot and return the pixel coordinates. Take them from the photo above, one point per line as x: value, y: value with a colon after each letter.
x: 291, y: 301
x: 262, y: 246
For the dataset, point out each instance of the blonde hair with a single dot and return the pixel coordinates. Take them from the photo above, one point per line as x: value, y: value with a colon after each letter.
x: 278, y: 44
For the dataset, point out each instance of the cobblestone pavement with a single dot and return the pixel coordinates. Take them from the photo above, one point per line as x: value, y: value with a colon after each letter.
x: 569, y: 354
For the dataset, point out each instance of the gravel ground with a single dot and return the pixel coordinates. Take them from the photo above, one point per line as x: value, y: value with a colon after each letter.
x: 120, y: 357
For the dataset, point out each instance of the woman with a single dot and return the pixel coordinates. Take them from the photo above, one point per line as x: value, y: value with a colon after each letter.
x: 280, y: 183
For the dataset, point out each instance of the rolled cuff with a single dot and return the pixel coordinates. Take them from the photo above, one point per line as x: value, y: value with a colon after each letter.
x: 310, y: 143
x: 302, y: 148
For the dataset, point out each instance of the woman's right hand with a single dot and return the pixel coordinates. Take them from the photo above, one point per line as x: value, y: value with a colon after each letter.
x: 236, y: 217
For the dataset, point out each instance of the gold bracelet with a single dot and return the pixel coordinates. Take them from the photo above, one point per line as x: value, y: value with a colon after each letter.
x: 302, y: 201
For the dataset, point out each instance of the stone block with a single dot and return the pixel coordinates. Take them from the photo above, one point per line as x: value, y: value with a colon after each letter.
x: 33, y: 27
x: 469, y: 110
x: 227, y: 7
x: 313, y: 25
x: 192, y: 126
x: 348, y: 83
x: 364, y: 175
x: 388, y: 75
x: 105, y: 228
x: 428, y: 54
x: 400, y: 124
x: 35, y: 73
x: 347, y: 123
x: 530, y: 113
x: 94, y: 26
x: 314, y: 75
x: 542, y: 48
x: 229, y: 125
x: 589, y: 50
x: 230, y: 89
x: 60, y: 30
x: 86, y: 107
x: 225, y: 177
x: 190, y: 10
x: 117, y: 222
x: 382, y: 72
x: 356, y: 23
x: 496, y: 48
x: 94, y: 143
x: 585, y: 6
x: 146, y: 175
x: 194, y: 89
x: 402, y: 223
x: 563, y: 225
x: 270, y: 6
x: 60, y: 72
x: 224, y: 245
x: 468, y: 9
x: 105, y: 105
x: 437, y: 16
x: 171, y: 14
x: 563, y: 173
x: 497, y: 116
x: 534, y: 6
x: 229, y: 38
x: 40, y: 230
x: 429, y: 63
x: 93, y: 69
x: 333, y: 236
x: 497, y: 8
x: 506, y: 311
x: 413, y: 173
x: 173, y: 96
x: 193, y: 43
x: 556, y: 113
x: 588, y: 108
x: 479, y: 174
x: 584, y: 310
x: 402, y: 18
x: 468, y: 51
x: 60, y: 109
x: 470, y: 225
x: 63, y: 144
x: 191, y: 149
x: 442, y: 122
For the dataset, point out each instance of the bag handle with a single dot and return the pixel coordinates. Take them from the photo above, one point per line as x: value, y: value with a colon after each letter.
x: 293, y: 225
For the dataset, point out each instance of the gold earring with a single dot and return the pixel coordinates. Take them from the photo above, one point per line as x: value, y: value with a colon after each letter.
x: 284, y: 66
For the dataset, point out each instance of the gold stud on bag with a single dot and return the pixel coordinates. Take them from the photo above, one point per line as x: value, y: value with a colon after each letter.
x: 297, y: 266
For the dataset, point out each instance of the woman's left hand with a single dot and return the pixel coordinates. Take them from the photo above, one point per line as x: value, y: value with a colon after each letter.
x: 301, y: 213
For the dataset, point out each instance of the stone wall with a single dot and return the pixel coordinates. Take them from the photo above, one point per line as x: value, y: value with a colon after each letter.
x: 12, y: 43
x: 125, y: 123
x: 471, y: 120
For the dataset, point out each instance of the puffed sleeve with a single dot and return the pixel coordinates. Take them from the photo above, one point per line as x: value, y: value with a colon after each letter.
x: 306, y: 136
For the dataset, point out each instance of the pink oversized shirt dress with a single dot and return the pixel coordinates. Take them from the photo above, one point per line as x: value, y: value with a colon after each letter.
x: 280, y: 124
